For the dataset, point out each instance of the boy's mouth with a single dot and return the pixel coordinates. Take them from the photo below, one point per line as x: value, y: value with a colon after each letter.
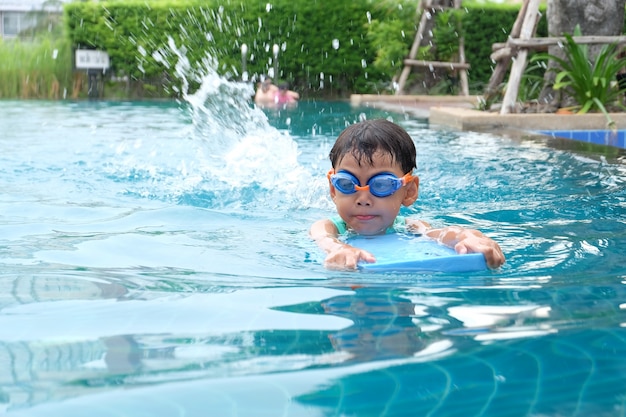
x: 365, y: 217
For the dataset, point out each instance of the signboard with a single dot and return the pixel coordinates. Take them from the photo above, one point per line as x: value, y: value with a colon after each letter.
x: 91, y: 59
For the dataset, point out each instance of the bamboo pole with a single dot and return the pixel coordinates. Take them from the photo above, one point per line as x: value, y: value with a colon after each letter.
x: 519, y: 65
x: 437, y: 64
x: 544, y: 43
x: 502, y: 65
x: 406, y: 71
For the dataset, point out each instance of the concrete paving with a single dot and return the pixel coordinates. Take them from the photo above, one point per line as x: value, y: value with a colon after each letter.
x: 460, y: 113
x: 418, y: 106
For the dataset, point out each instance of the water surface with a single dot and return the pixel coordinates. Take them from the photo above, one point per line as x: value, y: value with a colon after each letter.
x: 154, y: 260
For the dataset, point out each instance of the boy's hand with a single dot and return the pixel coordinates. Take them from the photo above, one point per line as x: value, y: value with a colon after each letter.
x: 346, y: 257
x: 340, y: 256
x: 470, y: 241
x: 473, y: 241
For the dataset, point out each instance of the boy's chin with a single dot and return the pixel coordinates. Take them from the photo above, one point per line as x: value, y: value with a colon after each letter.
x: 371, y: 232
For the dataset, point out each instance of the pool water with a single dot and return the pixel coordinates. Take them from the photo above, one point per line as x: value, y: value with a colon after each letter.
x: 155, y: 262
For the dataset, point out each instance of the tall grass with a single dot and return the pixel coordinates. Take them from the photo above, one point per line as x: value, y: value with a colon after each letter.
x: 36, y: 69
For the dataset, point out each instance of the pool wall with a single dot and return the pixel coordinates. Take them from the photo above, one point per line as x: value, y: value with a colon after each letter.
x: 599, y: 137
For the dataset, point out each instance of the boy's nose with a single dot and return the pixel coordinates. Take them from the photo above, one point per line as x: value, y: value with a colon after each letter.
x: 363, y: 198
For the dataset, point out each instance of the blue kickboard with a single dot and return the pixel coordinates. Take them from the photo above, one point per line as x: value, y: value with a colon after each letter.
x: 406, y: 253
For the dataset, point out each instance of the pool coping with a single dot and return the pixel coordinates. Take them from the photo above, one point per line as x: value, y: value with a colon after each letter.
x: 416, y: 105
x: 460, y: 113
x: 471, y: 119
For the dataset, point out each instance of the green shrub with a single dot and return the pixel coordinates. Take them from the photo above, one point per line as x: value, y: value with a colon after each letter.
x: 41, y: 68
x: 391, y: 37
x: 485, y: 26
x: 328, y: 48
x: 587, y: 82
x: 318, y: 40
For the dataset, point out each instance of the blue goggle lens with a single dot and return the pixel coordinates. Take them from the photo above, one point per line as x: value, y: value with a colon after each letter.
x: 381, y: 185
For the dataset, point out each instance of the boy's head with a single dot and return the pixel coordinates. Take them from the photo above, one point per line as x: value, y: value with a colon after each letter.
x: 372, y: 177
x: 363, y: 140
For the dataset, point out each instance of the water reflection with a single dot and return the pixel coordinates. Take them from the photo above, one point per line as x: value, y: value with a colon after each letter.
x: 343, y: 341
x: 25, y: 289
x: 383, y: 328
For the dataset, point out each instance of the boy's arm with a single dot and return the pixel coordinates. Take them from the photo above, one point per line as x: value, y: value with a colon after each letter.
x: 340, y: 255
x: 463, y: 241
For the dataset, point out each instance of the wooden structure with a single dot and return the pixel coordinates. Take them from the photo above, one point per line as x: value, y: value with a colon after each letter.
x: 521, y: 40
x: 428, y: 9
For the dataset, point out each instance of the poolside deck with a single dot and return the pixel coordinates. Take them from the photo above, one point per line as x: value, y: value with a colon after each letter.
x: 418, y: 106
x: 459, y: 113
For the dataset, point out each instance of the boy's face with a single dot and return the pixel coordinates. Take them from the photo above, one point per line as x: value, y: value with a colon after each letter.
x: 363, y: 212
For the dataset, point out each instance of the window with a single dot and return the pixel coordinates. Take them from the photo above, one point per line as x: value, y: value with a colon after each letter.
x: 15, y: 22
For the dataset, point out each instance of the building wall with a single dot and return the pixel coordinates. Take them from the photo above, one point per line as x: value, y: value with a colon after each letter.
x: 17, y: 15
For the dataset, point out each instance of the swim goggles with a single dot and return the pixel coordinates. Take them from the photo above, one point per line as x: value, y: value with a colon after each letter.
x: 380, y: 185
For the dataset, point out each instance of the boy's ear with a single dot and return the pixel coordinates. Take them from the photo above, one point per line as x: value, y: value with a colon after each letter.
x: 412, y: 191
x: 333, y: 192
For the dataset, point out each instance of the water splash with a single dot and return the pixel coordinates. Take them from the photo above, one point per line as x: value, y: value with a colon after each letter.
x: 236, y: 159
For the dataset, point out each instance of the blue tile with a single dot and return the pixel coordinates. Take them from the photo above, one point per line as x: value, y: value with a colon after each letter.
x: 599, y: 137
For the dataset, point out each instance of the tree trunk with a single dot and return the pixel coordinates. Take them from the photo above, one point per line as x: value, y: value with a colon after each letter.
x: 595, y: 17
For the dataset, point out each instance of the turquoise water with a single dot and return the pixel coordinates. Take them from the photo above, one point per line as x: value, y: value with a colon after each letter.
x: 154, y: 261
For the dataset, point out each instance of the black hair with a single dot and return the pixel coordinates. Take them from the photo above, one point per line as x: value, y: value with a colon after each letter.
x: 362, y: 140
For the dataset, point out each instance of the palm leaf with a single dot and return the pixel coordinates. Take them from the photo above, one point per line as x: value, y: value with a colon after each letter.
x: 589, y: 83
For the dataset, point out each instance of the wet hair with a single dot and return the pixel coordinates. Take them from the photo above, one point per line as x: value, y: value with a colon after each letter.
x: 364, y: 139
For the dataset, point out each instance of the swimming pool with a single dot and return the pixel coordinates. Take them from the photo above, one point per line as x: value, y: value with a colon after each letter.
x: 155, y: 262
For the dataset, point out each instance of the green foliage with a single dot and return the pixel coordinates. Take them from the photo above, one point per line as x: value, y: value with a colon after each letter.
x: 320, y: 41
x: 532, y: 81
x: 589, y: 83
x: 328, y: 48
x: 391, y: 36
x: 38, y: 63
x: 485, y: 26
x: 447, y: 32
x: 35, y: 69
x: 481, y: 25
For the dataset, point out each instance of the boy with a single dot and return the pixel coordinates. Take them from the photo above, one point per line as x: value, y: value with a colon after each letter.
x: 381, y: 155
